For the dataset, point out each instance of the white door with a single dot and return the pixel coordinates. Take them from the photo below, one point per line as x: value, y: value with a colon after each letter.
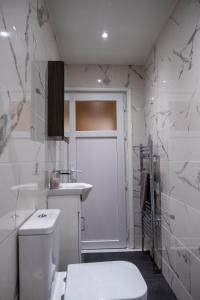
x: 97, y: 149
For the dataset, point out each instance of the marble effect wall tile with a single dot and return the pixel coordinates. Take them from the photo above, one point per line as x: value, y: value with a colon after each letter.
x: 187, y: 232
x: 172, y: 118
x: 175, y: 283
x: 182, y: 265
x: 8, y: 263
x: 23, y: 156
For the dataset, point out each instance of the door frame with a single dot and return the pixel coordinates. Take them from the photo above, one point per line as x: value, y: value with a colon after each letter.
x: 128, y: 151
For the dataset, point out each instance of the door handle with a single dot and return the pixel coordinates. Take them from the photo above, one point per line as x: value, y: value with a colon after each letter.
x: 82, y: 223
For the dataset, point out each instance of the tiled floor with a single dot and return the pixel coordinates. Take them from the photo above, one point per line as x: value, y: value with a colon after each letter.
x: 158, y: 289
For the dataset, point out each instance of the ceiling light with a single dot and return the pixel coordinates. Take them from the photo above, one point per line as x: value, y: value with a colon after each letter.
x: 104, y: 35
x: 164, y: 81
x: 14, y: 28
x: 99, y: 80
x: 4, y: 33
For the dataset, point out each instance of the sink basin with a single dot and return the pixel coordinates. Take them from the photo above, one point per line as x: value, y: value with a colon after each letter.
x: 75, y: 188
x: 25, y: 187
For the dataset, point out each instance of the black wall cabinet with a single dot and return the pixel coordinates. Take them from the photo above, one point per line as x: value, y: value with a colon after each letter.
x: 56, y: 100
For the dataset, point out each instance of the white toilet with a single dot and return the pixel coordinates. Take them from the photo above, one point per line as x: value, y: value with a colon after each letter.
x: 38, y: 275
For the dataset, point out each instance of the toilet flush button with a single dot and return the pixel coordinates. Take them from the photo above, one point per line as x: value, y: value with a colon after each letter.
x: 42, y: 216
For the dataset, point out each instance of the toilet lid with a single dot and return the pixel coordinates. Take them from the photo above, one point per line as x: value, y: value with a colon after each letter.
x: 116, y: 280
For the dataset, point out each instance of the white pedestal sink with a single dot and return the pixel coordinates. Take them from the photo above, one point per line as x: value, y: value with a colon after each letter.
x: 67, y: 197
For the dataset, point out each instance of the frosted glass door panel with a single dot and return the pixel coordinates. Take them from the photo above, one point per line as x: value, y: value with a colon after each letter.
x: 96, y: 115
x: 66, y: 116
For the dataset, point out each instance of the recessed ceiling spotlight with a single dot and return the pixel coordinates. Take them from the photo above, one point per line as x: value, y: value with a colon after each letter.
x: 99, y: 80
x: 14, y: 28
x: 164, y: 81
x: 104, y: 35
x: 4, y: 33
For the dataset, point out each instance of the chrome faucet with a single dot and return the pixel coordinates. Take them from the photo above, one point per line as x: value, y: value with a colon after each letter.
x: 56, y: 174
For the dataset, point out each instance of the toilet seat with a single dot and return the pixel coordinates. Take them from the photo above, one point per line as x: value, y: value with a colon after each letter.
x: 116, y: 280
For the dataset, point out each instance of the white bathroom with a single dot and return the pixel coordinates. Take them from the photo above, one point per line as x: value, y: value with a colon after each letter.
x: 99, y: 149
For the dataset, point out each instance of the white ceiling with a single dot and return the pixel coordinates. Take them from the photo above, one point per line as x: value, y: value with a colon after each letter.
x: 133, y: 27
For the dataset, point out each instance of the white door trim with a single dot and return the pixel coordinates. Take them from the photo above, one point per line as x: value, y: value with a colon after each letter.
x: 128, y: 151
